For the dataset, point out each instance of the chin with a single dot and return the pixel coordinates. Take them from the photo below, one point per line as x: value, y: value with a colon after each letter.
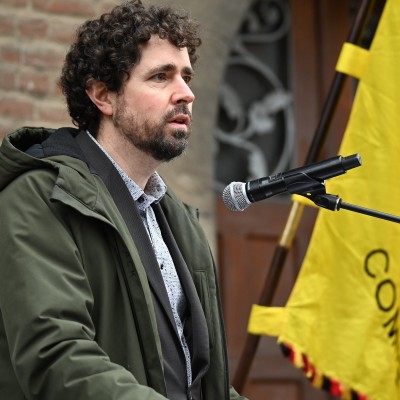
x: 180, y: 134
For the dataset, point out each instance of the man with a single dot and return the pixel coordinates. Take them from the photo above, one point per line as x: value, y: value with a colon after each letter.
x: 107, y: 285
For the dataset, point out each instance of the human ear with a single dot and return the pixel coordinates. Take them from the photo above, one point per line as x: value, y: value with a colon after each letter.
x: 100, y: 96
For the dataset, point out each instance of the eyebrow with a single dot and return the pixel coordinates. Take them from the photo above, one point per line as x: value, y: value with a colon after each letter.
x: 169, y: 68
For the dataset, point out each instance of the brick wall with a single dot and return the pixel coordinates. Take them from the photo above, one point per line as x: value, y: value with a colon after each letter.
x: 34, y: 37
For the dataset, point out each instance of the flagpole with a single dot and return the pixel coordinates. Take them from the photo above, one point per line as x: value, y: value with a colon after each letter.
x: 297, y: 208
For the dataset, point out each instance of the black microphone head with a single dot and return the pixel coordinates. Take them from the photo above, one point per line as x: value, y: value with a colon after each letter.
x: 234, y: 196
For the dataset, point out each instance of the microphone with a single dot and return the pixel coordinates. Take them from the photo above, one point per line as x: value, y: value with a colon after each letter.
x: 237, y: 196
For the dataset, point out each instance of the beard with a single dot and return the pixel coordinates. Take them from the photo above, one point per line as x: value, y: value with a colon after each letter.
x: 150, y: 136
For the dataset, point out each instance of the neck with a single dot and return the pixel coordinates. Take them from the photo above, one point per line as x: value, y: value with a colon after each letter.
x: 138, y: 165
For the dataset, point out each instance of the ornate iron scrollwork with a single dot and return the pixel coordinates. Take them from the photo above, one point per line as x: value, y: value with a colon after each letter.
x: 255, y: 129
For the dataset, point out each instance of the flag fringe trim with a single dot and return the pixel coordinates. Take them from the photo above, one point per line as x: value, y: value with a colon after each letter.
x: 318, y: 379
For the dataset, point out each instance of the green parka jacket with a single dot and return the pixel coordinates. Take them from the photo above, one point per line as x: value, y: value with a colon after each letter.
x: 72, y: 326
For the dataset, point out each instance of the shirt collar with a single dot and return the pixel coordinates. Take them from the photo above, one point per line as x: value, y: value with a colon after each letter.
x: 154, y: 190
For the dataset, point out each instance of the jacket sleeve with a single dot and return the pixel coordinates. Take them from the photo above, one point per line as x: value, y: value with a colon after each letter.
x: 46, y: 303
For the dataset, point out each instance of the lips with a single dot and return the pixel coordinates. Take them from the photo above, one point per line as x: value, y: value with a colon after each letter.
x: 181, y: 119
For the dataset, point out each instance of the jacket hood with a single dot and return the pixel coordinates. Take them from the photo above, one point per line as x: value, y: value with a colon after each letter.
x: 30, y: 148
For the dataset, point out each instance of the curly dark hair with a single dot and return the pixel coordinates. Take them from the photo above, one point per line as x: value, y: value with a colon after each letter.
x: 107, y: 48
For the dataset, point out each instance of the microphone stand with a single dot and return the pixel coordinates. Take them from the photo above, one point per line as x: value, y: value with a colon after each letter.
x: 335, y: 203
x: 314, y: 190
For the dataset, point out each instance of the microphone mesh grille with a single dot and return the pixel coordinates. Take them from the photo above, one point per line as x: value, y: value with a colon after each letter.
x: 234, y: 196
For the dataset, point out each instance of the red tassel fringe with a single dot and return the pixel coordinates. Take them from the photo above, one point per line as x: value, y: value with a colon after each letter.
x: 321, y: 381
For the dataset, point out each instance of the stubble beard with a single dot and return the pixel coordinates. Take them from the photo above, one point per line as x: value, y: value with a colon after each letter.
x: 151, y: 137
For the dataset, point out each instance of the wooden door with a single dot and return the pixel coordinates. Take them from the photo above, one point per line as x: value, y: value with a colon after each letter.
x: 247, y: 240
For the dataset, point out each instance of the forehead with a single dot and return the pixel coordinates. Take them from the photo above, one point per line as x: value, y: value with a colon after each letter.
x: 160, y: 51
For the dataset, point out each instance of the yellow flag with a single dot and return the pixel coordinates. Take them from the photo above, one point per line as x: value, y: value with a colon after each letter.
x: 341, y: 322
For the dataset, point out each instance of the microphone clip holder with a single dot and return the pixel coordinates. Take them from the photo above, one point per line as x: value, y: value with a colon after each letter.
x: 332, y: 202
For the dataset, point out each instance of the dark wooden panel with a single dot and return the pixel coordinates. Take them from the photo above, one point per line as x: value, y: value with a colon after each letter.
x: 247, y: 241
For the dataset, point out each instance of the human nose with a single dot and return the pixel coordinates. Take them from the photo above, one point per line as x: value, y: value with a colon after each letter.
x: 183, y: 93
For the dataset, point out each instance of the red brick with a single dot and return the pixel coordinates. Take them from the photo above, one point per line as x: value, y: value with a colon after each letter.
x: 63, y: 31
x: 107, y: 6
x: 7, y: 79
x: 57, y: 90
x: 70, y: 7
x: 33, y: 27
x: 35, y: 82
x: 15, y: 3
x: 6, y: 25
x: 10, y: 54
x: 5, y: 128
x: 42, y: 57
x: 15, y: 107
x: 53, y: 113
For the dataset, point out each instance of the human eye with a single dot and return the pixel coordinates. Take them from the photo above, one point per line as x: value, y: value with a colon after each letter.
x: 188, y: 79
x: 159, y: 77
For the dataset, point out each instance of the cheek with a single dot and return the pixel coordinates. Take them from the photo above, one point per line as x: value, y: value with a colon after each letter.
x: 150, y: 106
